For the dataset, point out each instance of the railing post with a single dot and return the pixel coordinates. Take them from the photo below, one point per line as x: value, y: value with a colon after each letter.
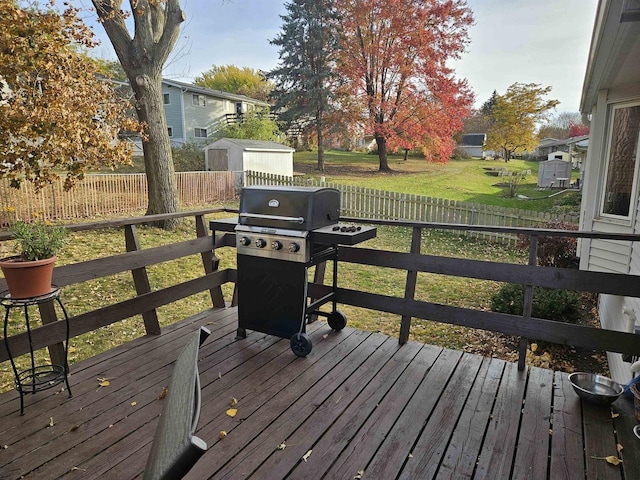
x: 210, y: 262
x: 528, y: 302
x: 141, y: 281
x: 57, y: 350
x: 410, y: 286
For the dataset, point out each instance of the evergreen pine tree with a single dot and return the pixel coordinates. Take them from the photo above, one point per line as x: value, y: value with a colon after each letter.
x: 308, y: 42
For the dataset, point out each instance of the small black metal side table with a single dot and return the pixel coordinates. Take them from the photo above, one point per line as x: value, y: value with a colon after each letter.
x: 37, y: 377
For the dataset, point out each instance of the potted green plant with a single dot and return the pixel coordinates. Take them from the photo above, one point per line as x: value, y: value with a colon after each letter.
x: 29, y: 273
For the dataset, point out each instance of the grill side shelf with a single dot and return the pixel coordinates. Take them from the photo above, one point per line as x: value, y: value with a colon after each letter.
x: 328, y: 236
x: 223, y: 224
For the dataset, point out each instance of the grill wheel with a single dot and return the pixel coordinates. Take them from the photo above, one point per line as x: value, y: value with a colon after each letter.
x: 337, y: 320
x: 300, y: 344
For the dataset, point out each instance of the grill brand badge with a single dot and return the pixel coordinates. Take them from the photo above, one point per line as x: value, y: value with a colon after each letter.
x: 274, y: 203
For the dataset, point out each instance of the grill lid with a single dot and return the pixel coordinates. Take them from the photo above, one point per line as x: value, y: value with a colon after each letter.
x: 294, y: 208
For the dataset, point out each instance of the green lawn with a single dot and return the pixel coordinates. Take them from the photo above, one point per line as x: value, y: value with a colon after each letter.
x: 462, y: 180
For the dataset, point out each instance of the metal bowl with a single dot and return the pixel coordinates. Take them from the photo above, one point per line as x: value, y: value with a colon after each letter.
x: 595, y: 388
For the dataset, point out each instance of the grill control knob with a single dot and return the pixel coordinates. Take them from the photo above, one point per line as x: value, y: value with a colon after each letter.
x: 261, y: 243
x: 294, y: 247
x: 276, y: 245
x: 244, y: 241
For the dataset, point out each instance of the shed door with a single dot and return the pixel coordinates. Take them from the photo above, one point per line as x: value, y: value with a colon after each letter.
x: 218, y: 159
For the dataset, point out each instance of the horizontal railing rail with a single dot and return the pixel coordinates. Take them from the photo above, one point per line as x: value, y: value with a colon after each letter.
x: 135, y: 260
x: 407, y: 306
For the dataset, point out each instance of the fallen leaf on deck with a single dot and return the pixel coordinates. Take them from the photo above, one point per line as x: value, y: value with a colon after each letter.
x: 359, y: 475
x: 551, y: 431
x: 232, y: 412
x: 410, y: 455
x: 222, y: 434
x: 163, y: 393
x: 307, y: 455
x: 51, y: 421
x: 219, y: 375
x: 325, y: 335
x: 133, y: 404
x: 77, y: 468
x: 619, y: 447
x: 282, y: 446
x: 5, y: 447
x: 233, y: 402
x: 73, y: 428
x: 613, y: 460
x: 615, y: 415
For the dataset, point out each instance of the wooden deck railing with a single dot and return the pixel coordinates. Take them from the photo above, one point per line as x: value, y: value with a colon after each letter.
x: 407, y: 307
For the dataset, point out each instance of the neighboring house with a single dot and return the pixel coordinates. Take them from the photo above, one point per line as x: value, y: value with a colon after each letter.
x: 473, y: 144
x: 236, y: 155
x: 611, y: 98
x: 569, y: 145
x: 195, y: 114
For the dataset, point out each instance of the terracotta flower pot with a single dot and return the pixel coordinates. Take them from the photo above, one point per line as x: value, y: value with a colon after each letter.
x: 28, y: 279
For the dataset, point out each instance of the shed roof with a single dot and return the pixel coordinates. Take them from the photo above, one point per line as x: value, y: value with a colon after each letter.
x: 255, y: 145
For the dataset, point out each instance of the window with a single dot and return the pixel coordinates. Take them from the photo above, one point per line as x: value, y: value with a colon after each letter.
x: 622, y: 160
x: 166, y: 99
x: 200, y: 132
x: 198, y: 100
x: 170, y: 131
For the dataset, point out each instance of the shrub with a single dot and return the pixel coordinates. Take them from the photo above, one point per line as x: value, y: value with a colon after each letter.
x: 460, y: 154
x: 188, y: 158
x: 555, y: 251
x: 560, y: 305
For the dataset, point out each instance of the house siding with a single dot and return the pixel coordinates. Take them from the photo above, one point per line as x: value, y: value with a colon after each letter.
x: 173, y: 113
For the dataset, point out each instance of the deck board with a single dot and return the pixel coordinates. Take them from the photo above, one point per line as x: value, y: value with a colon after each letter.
x: 358, y: 403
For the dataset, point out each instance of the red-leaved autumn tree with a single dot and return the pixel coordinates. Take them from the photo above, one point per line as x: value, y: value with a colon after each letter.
x: 393, y: 63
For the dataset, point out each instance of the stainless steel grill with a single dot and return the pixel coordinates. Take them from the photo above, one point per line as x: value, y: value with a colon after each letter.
x: 280, y: 233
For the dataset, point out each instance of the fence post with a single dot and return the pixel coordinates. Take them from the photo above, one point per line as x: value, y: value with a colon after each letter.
x: 141, y: 281
x: 410, y: 286
x: 210, y: 263
x: 528, y: 302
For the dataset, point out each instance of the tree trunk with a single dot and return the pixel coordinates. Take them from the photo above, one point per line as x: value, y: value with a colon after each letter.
x: 161, y: 181
x: 381, y: 142
x: 320, y: 141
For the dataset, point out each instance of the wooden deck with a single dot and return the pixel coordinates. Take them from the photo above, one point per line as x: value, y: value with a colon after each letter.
x: 358, y: 402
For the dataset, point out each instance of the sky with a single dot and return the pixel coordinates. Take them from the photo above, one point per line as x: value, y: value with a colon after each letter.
x: 541, y: 41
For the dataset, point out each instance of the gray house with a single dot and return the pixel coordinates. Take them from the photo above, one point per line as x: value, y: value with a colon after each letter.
x: 195, y: 114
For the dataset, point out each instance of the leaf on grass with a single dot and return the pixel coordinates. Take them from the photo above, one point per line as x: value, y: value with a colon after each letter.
x: 307, y: 455
x: 232, y: 412
x: 359, y: 475
x: 133, y: 404
x: 534, y: 347
x: 163, y: 393
x: 282, y: 446
x: 222, y: 434
x: 51, y: 421
x: 233, y: 402
x: 71, y: 349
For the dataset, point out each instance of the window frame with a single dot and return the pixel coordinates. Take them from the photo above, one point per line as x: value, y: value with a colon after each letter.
x: 633, y: 206
x: 195, y: 100
x: 167, y: 97
x: 170, y: 131
x: 195, y: 132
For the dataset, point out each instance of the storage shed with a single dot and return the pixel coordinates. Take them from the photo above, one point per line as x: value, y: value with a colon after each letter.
x: 555, y: 172
x: 232, y: 154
